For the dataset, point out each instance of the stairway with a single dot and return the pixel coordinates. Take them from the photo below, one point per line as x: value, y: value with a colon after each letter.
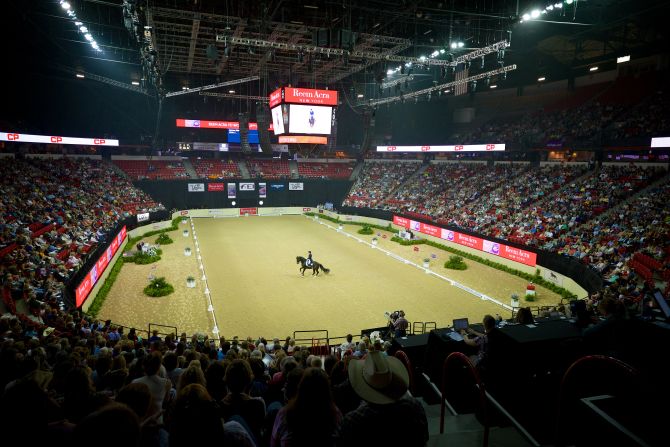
x: 244, y: 172
x: 356, y: 171
x: 190, y: 170
x: 293, y: 169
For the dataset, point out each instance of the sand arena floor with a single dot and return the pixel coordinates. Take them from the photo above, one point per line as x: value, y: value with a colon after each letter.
x: 256, y: 288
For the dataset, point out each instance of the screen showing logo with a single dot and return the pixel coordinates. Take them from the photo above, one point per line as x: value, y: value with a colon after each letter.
x: 310, y: 119
x: 196, y: 123
x: 247, y: 186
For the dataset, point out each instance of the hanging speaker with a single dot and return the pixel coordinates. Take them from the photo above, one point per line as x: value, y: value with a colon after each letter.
x: 263, y: 120
x: 244, y: 132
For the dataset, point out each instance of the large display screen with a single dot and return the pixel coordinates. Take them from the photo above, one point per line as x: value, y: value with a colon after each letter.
x: 234, y: 136
x: 494, y: 248
x: 85, y: 287
x: 660, y: 142
x: 207, y: 124
x: 310, y: 119
x: 54, y: 139
x: 278, y: 120
x: 450, y: 148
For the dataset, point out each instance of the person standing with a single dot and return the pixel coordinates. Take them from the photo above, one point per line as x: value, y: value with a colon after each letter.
x: 400, y: 325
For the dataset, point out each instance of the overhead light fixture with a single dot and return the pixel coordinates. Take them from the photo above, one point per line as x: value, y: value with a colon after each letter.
x: 65, y: 5
x: 550, y: 8
x: 231, y: 91
x: 593, y: 69
x: 526, y: 16
x: 80, y: 75
x: 78, y: 23
x: 535, y: 13
x: 311, y: 7
x: 461, y: 44
x: 622, y: 59
x: 88, y: 37
x: 558, y: 5
x: 569, y: 2
x: 454, y: 45
x: 135, y: 82
x: 83, y: 29
x: 540, y: 79
x: 360, y: 95
x: 493, y: 86
x: 442, y: 51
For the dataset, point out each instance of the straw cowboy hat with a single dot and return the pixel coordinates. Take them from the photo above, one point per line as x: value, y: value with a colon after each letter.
x: 379, y: 379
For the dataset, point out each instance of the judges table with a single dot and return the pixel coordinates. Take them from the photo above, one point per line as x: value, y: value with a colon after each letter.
x: 518, y: 350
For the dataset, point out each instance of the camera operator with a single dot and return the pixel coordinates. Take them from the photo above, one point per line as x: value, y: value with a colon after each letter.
x: 399, y: 323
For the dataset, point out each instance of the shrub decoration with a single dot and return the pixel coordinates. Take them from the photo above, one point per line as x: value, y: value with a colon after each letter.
x: 143, y: 258
x: 366, y: 230
x: 158, y: 287
x: 164, y: 239
x: 455, y: 263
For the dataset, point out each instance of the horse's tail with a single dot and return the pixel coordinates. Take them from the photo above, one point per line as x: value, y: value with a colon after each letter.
x: 325, y: 270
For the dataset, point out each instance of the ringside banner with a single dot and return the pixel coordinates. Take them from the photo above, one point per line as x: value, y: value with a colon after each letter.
x: 142, y: 217
x: 262, y: 190
x: 85, y: 287
x: 215, y: 187
x: 196, y: 187
x: 247, y: 186
x: 232, y: 190
x: 494, y: 248
x: 455, y: 148
x: 296, y: 186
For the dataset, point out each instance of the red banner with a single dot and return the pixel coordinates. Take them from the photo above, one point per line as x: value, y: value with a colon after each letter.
x: 207, y: 124
x: 275, y: 97
x: 218, y: 187
x: 98, y: 268
x: 250, y: 211
x: 494, y: 248
x: 310, y: 96
x: 401, y: 221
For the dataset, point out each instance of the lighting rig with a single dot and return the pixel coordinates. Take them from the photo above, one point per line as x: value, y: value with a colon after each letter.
x: 440, y: 87
x: 143, y: 35
x: 212, y: 86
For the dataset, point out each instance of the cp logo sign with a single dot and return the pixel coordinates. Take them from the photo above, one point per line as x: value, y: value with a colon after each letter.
x: 425, y: 148
x: 391, y: 148
x: 458, y: 148
x: 99, y: 141
x: 490, y: 147
x: 12, y: 136
x: 56, y: 139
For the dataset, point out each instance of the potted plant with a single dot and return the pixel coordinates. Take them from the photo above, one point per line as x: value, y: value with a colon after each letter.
x: 515, y: 300
x: 426, y: 262
x: 184, y: 221
x: 374, y: 241
x: 185, y: 233
x: 187, y: 251
x: 190, y: 282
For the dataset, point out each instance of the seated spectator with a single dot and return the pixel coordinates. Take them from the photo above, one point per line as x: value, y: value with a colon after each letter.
x: 238, y: 402
x: 524, y: 316
x: 389, y: 415
x: 310, y: 418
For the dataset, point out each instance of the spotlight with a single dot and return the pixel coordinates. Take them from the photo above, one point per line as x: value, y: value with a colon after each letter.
x: 593, y: 69
x: 83, y: 29
x: 260, y: 202
x: 526, y: 16
x: 558, y: 5
x: 88, y: 37
x: 493, y: 86
x: 535, y: 13
x: 138, y: 83
x: 454, y: 45
x: 80, y: 75
x: 233, y: 203
x: 65, y: 5
x: 461, y: 44
x: 541, y: 79
x: 569, y: 2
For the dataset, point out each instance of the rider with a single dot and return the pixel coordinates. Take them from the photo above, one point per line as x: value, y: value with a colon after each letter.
x: 308, y: 261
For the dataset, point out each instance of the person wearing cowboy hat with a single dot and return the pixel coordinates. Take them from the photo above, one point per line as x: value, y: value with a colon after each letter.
x: 382, y: 383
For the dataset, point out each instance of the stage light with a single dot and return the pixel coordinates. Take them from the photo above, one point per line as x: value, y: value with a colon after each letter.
x: 435, y: 53
x: 493, y: 86
x: 231, y: 91
x: 422, y: 58
x: 569, y: 2
x: 78, y: 23
x: 88, y: 37
x: 95, y: 46
x: 184, y: 87
x: 389, y: 72
x: 83, y: 29
x: 461, y: 44
x: 550, y: 8
x: 360, y: 95
x: 442, y: 51
x: 454, y: 45
x: 541, y: 79
x: 558, y: 5
x: 593, y: 69
x: 535, y: 13
x: 65, y: 5
x: 233, y: 203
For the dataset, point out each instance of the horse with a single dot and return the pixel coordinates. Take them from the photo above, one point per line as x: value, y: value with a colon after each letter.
x: 315, y: 266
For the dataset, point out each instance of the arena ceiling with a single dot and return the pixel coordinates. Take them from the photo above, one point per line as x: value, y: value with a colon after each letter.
x: 200, y: 42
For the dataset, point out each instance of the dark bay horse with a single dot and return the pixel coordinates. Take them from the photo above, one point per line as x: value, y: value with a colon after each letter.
x: 315, y: 266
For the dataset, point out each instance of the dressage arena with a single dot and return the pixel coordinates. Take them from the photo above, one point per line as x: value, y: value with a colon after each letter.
x: 256, y: 289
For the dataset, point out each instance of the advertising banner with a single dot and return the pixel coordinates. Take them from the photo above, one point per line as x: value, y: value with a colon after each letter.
x: 232, y: 190
x: 208, y: 124
x: 196, y: 187
x: 85, y: 287
x: 247, y: 186
x: 451, y: 148
x: 262, y: 190
x: 296, y: 186
x: 249, y: 211
x: 277, y: 186
x: 310, y: 96
x: 142, y: 217
x: 54, y: 139
x: 276, y: 97
x: 304, y: 139
x: 494, y: 248
x: 215, y: 187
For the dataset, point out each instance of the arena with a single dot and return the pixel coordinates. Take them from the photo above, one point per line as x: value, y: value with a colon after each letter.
x: 293, y: 223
